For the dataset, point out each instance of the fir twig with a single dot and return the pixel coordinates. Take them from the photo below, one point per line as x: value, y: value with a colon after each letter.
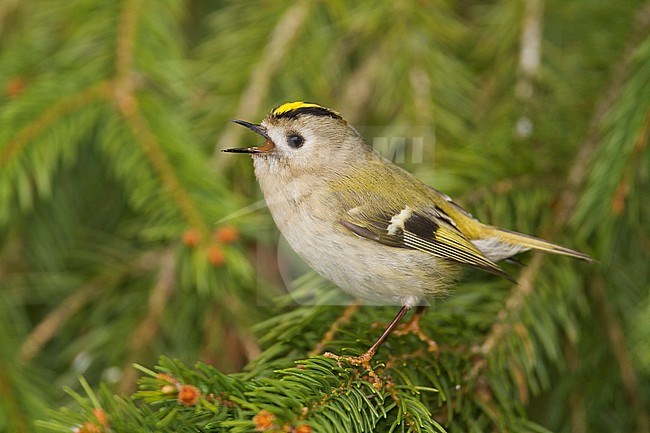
x: 126, y: 35
x: 623, y: 187
x: 503, y: 323
x: 50, y: 116
x: 568, y: 199
x: 128, y: 105
x: 124, y: 87
x: 620, y: 72
x: 55, y: 319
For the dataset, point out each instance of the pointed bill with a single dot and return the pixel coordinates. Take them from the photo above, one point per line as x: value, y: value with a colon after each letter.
x: 258, y: 129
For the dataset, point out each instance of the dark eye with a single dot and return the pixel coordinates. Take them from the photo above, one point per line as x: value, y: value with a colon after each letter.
x: 296, y: 141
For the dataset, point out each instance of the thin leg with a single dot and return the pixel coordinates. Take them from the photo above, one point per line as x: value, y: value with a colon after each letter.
x: 364, y: 360
x: 413, y: 327
x: 388, y: 330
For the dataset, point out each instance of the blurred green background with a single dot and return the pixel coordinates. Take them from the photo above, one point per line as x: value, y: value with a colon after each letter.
x: 113, y: 186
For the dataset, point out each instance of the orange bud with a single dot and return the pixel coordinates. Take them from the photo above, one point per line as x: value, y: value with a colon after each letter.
x: 216, y: 256
x: 188, y: 395
x: 101, y: 416
x: 166, y: 378
x: 226, y: 234
x: 191, y: 237
x: 264, y: 420
x: 303, y: 428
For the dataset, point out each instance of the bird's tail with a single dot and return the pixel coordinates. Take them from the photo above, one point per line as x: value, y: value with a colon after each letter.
x: 505, y: 239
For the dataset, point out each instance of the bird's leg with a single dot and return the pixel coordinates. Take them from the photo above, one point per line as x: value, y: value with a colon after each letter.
x: 413, y: 327
x: 364, y: 360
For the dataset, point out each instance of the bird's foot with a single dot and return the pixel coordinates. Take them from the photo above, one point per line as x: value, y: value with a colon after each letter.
x: 362, y: 361
x: 413, y: 327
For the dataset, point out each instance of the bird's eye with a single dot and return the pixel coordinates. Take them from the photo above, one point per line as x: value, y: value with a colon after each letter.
x: 296, y: 141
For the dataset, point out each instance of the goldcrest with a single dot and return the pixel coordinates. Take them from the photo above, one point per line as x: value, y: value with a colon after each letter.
x: 364, y: 223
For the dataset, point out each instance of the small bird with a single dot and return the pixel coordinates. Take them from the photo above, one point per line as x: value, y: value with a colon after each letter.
x: 364, y: 223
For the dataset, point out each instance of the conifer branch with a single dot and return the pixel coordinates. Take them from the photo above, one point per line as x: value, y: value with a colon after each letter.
x: 120, y: 133
x: 127, y: 30
x: 344, y: 318
x: 623, y: 187
x: 280, y: 41
x: 49, y: 117
x: 566, y: 206
x: 503, y: 321
x: 620, y: 72
x: 124, y: 87
x: 139, y: 127
x: 55, y: 319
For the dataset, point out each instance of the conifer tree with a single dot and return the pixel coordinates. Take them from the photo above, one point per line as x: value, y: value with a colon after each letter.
x: 139, y: 286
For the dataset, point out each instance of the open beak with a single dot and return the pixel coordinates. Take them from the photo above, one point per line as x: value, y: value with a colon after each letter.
x: 258, y: 129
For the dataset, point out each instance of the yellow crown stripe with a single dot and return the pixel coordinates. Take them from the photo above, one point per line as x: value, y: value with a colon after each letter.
x: 291, y: 109
x: 290, y: 106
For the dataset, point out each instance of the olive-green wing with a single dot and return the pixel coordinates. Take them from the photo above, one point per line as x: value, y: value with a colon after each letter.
x: 428, y: 230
